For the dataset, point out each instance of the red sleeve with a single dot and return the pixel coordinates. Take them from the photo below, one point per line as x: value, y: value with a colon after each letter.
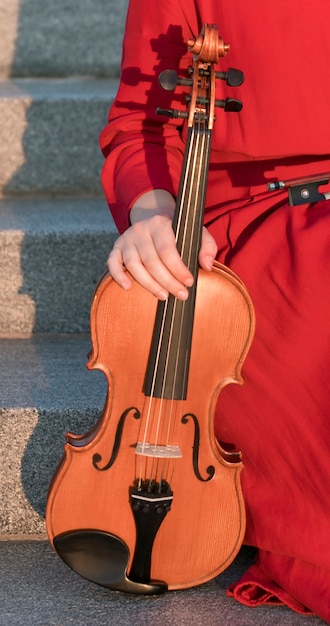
x: 144, y: 150
x: 283, y: 49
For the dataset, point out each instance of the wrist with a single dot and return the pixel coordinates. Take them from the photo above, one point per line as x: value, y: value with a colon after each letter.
x: 153, y: 202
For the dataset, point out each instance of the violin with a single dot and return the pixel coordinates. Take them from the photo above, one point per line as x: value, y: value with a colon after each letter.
x: 149, y: 500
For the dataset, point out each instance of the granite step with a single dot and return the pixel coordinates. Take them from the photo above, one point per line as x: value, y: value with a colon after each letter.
x: 53, y: 252
x: 49, y: 134
x: 45, y: 38
x: 45, y: 391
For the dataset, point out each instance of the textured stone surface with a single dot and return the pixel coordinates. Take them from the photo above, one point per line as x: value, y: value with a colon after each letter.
x: 53, y: 252
x: 44, y: 38
x: 45, y: 391
x: 49, y: 134
x: 37, y: 589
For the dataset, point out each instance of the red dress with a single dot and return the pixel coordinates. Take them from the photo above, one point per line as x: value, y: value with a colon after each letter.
x: 280, y: 417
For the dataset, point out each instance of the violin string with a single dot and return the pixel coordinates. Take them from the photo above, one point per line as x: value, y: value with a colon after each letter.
x: 151, y: 403
x: 191, y: 200
x: 194, y: 148
x: 161, y: 334
x: 197, y: 148
x: 192, y: 158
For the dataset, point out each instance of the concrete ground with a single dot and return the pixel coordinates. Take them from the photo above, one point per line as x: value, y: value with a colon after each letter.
x: 37, y: 589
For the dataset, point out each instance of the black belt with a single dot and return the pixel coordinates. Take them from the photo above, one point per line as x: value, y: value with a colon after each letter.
x: 303, y: 190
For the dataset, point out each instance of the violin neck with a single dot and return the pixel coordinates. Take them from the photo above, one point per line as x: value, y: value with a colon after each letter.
x: 168, y: 366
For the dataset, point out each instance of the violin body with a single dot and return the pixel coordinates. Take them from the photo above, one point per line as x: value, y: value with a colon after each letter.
x: 183, y: 521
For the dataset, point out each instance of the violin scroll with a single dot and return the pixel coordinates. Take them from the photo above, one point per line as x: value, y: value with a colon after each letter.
x: 206, y: 48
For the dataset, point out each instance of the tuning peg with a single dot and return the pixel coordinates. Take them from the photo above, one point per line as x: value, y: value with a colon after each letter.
x: 229, y: 105
x: 233, y: 78
x: 175, y: 113
x: 169, y: 79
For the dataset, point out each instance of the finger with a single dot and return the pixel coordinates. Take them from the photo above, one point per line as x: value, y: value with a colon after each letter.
x: 165, y: 245
x: 116, y: 268
x: 153, y: 258
x: 130, y: 258
x: 148, y: 269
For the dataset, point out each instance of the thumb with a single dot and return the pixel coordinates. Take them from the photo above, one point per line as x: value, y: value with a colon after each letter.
x: 208, y: 250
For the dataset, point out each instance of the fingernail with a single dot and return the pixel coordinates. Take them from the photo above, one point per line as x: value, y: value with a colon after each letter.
x: 208, y: 262
x: 183, y: 294
x: 162, y: 295
x: 125, y: 284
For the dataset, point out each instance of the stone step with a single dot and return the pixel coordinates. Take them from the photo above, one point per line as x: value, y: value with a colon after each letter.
x: 49, y: 134
x: 62, y: 38
x: 45, y: 391
x: 53, y: 252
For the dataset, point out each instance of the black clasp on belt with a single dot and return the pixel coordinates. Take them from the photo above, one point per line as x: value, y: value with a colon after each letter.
x: 303, y: 190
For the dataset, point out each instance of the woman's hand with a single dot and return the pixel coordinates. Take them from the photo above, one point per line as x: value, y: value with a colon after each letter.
x: 148, y: 249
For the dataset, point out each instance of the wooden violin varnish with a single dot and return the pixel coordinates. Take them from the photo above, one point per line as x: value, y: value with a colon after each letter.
x: 149, y: 501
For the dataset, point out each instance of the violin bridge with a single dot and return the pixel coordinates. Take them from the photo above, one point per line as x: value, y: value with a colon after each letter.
x: 158, y: 452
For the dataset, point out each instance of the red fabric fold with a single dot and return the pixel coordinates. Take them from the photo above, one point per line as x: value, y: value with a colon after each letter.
x: 256, y: 589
